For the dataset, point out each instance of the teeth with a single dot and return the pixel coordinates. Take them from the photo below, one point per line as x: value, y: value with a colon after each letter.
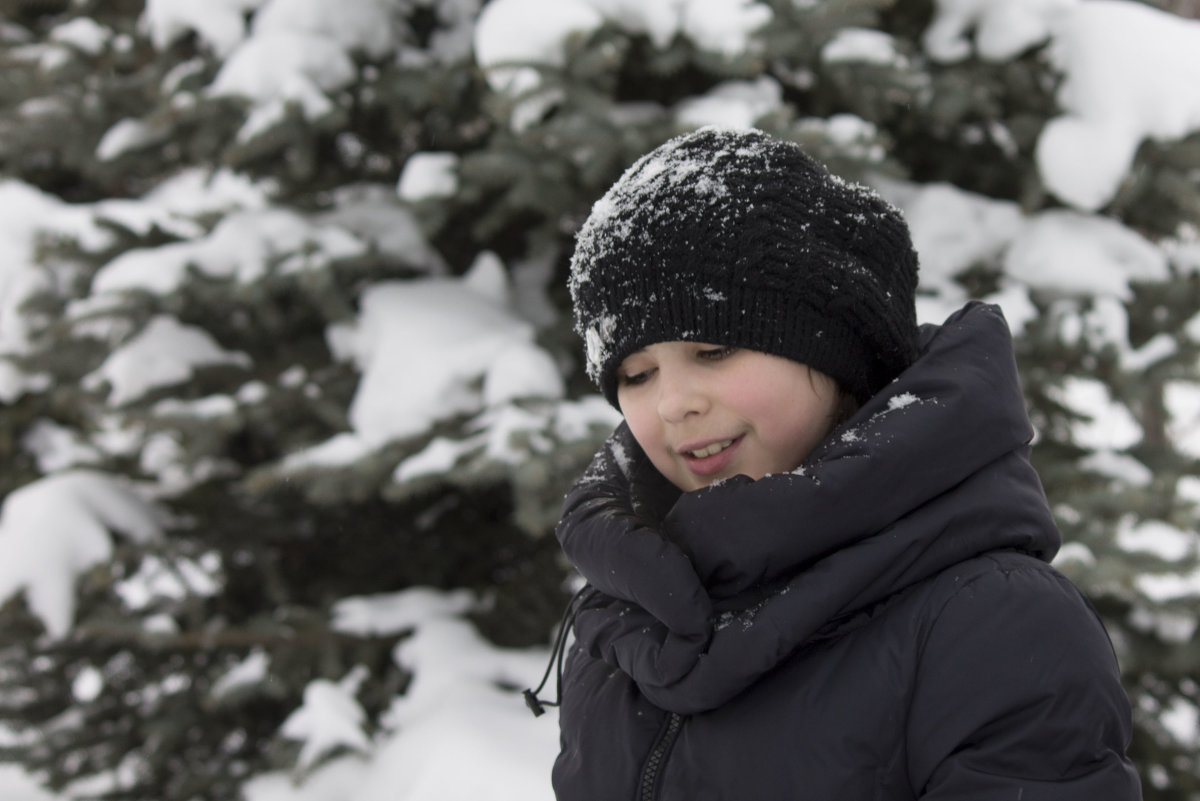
x: 710, y: 450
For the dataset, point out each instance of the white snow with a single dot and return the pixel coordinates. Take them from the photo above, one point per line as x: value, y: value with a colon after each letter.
x: 1082, y: 254
x: 243, y: 246
x: 1173, y: 626
x: 1119, y: 466
x: 29, y: 213
x: 286, y: 66
x: 126, y: 135
x: 1169, y: 586
x: 999, y: 31
x: 407, y: 385
x: 1182, y: 719
x: 1188, y: 488
x: 1156, y: 349
x: 15, y: 382
x: 953, y: 229
x: 574, y: 419
x: 521, y: 370
x: 453, y: 714
x: 1157, y: 537
x: 438, y: 456
x: 196, y: 191
x: 367, y: 26
x: 1184, y: 252
x: 165, y: 352
x: 509, y: 33
x: 861, y: 45
x: 1106, y: 424
x: 88, y: 685
x: 156, y: 579
x: 17, y: 786
x: 565, y: 420
x: 162, y: 457
x: 295, y: 51
x: 1183, y: 407
x: 252, y: 670
x: 1058, y: 252
x: 1075, y: 552
x: 208, y: 407
x: 852, y: 134
x: 175, y: 76
x: 732, y: 104
x: 391, y: 614
x: 532, y: 32
x: 219, y: 23
x: 373, y: 214
x: 329, y: 718
x: 724, y: 26
x: 55, y: 447
x: 1131, y: 73
x: 59, y: 526
x: 339, y: 450
x: 83, y: 33
x: 428, y: 175
x: 501, y: 429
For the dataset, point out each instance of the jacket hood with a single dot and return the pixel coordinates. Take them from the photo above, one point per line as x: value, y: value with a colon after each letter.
x: 697, y: 603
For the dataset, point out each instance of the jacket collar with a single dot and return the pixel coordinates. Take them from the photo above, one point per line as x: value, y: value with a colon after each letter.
x: 931, y: 471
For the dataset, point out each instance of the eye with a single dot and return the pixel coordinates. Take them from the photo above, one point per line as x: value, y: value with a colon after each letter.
x: 715, y: 354
x: 634, y: 379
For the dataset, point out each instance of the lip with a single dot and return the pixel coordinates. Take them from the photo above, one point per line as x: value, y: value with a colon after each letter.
x: 710, y: 465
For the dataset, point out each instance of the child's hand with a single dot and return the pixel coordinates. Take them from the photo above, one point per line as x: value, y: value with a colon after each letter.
x: 621, y: 472
x: 613, y: 516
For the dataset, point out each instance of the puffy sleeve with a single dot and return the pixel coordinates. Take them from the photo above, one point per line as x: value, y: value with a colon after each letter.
x: 1018, y: 695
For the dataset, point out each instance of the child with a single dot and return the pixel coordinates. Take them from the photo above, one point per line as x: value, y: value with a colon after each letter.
x: 816, y: 551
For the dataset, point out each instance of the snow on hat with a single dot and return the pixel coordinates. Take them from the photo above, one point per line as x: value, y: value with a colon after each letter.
x: 732, y: 237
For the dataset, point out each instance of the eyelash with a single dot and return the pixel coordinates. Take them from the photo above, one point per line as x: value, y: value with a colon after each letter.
x: 707, y: 354
x: 716, y: 354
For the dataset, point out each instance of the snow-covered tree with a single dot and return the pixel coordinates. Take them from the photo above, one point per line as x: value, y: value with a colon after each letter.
x: 288, y: 390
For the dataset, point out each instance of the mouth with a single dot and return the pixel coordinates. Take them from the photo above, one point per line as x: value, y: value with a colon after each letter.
x: 711, y: 459
x: 712, y: 449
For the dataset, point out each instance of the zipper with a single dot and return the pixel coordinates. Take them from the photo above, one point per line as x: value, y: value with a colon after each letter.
x: 648, y: 787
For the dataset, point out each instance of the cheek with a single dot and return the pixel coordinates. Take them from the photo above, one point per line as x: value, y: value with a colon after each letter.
x: 641, y: 423
x: 792, y: 419
x: 813, y: 423
x: 649, y: 436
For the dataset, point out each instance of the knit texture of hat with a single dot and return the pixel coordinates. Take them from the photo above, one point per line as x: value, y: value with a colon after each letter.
x: 734, y: 238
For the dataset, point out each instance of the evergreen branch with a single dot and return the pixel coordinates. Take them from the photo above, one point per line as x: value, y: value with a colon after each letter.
x: 110, y: 633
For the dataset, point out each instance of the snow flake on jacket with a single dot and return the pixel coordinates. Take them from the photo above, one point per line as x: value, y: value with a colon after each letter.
x: 728, y: 605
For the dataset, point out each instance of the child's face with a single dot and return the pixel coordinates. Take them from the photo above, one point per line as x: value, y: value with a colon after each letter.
x: 705, y: 412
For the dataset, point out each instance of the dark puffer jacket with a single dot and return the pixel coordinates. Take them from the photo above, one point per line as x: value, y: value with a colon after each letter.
x: 881, y: 624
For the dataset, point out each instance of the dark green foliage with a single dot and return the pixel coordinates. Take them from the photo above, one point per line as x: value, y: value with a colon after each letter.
x: 281, y: 545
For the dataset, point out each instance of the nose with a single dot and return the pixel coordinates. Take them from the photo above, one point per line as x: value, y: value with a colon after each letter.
x: 680, y: 395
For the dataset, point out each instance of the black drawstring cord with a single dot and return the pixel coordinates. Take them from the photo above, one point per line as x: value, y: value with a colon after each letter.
x: 536, y: 705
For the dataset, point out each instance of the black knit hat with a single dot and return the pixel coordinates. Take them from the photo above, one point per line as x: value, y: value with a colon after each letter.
x: 735, y: 238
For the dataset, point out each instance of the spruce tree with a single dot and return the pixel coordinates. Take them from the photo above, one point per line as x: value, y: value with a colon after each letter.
x: 266, y: 236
